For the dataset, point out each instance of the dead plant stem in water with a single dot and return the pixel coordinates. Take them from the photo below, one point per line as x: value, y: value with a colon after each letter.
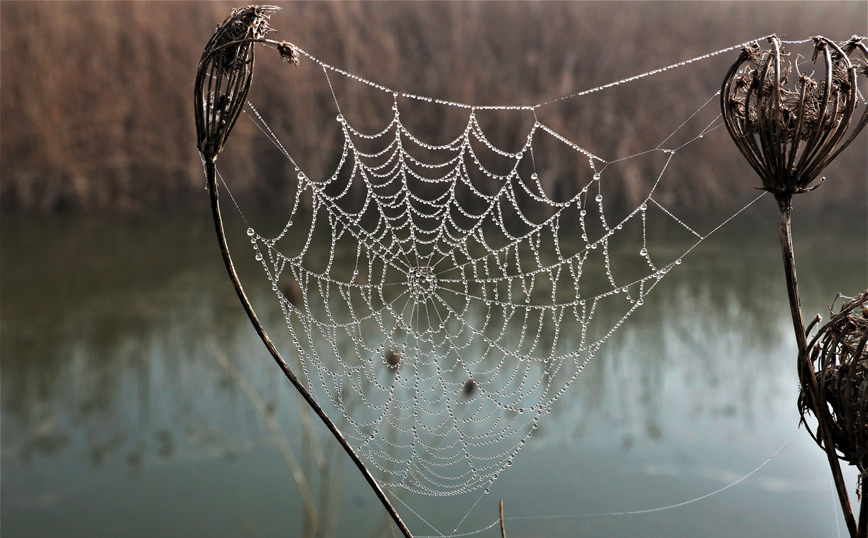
x: 805, y: 366
x: 223, y: 80
x: 790, y: 133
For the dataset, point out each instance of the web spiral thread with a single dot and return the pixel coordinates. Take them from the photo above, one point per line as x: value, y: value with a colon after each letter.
x: 445, y: 309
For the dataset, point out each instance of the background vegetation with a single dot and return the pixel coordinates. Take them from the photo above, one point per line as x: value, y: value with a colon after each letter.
x: 96, y: 111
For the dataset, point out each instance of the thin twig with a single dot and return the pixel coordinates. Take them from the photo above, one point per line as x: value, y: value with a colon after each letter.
x: 502, y: 527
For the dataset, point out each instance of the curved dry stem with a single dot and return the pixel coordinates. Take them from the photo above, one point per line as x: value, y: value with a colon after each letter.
x: 807, y: 376
x: 211, y: 173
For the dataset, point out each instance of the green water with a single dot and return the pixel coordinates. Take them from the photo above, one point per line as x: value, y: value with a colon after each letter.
x: 117, y: 420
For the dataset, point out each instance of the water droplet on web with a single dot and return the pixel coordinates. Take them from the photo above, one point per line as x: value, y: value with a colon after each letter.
x: 250, y: 232
x: 643, y: 252
x: 599, y: 198
x: 258, y: 256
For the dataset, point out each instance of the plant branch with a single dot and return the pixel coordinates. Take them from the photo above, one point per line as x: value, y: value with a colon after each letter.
x: 807, y: 376
x: 211, y: 173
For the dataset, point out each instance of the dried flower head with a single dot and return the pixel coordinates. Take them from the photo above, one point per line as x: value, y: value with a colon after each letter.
x: 840, y: 359
x: 225, y: 73
x: 788, y: 124
x: 288, y: 52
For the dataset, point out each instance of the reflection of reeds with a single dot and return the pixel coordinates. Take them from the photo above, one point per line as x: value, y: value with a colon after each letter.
x: 319, y: 516
x: 311, y: 522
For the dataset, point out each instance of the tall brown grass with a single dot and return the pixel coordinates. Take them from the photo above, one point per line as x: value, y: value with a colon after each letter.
x: 96, y: 97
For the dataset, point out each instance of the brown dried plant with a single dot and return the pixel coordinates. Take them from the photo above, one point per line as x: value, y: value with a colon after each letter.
x: 222, y: 83
x: 840, y: 357
x: 226, y: 72
x: 789, y: 133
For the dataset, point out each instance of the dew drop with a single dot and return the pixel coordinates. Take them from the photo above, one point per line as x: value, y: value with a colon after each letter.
x: 643, y: 207
x: 258, y: 256
x: 643, y: 252
x: 596, y: 177
x: 678, y: 261
x: 301, y: 176
x: 340, y: 118
x: 599, y: 198
x: 250, y: 232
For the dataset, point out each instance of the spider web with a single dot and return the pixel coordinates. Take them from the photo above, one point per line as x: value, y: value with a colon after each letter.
x: 443, y: 297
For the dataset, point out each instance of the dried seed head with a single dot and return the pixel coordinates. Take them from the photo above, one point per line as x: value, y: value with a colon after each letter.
x: 790, y: 132
x: 288, y: 53
x: 225, y: 73
x: 840, y: 359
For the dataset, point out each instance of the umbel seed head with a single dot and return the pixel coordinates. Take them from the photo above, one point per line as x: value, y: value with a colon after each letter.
x: 791, y: 119
x: 225, y: 73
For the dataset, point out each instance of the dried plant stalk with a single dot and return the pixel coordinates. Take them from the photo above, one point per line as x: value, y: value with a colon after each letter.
x: 839, y: 364
x: 222, y: 83
x: 789, y: 134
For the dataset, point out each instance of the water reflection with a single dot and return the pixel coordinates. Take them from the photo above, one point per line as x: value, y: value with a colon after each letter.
x: 113, y: 397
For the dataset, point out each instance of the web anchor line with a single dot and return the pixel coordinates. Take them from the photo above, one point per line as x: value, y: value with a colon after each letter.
x: 631, y: 512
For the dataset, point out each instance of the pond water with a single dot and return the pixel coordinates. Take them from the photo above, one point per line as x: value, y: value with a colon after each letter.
x: 137, y: 401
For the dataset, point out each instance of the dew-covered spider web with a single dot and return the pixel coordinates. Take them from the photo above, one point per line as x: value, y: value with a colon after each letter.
x: 443, y: 296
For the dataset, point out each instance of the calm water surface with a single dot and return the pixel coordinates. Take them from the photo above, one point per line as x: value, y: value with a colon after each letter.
x: 137, y: 401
